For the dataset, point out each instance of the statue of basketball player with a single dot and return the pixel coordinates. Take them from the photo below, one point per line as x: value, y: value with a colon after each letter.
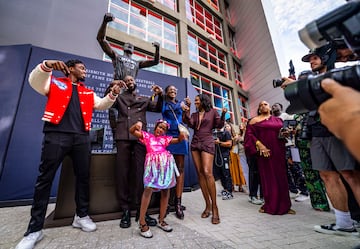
x: 129, y: 106
x: 123, y: 64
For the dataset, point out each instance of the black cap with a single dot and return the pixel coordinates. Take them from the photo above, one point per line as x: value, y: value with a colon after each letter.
x: 306, y: 58
x: 321, y: 51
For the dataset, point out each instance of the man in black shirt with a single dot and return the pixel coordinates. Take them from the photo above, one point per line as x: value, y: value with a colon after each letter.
x: 67, y: 117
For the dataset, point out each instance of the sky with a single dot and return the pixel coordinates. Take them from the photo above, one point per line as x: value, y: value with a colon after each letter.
x: 290, y: 17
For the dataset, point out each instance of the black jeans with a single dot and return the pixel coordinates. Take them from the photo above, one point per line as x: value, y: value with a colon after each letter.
x: 55, y: 146
x: 254, y: 176
x: 224, y: 173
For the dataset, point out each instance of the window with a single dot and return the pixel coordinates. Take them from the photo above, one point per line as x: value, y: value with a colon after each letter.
x: 214, y: 4
x: 220, y: 95
x: 232, y: 40
x: 168, y: 3
x: 206, y: 55
x: 163, y: 66
x: 203, y: 18
x: 136, y: 20
x: 244, y: 108
x: 228, y: 13
x: 237, y: 74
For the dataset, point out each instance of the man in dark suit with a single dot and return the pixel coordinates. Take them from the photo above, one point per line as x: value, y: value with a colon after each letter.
x: 131, y: 153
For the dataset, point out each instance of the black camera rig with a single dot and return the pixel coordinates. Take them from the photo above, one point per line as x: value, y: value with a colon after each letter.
x: 306, y: 94
x: 342, y: 23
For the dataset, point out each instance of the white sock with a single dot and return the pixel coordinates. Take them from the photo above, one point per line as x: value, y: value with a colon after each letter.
x: 343, y: 219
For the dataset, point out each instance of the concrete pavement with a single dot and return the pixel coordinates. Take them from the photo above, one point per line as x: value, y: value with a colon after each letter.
x: 242, y: 226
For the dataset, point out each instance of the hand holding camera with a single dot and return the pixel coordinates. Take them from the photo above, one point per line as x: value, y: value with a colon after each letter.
x: 341, y: 24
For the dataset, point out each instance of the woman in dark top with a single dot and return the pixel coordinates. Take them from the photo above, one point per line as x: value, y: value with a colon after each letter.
x: 172, y: 113
x: 203, y: 121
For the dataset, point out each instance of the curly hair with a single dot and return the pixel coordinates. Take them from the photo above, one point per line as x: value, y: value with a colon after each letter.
x: 72, y: 63
x: 205, y: 102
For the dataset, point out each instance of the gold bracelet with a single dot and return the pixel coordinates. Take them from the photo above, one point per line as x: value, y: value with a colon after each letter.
x: 257, y: 142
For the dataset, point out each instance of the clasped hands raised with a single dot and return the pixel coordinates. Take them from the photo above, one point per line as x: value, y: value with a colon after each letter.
x: 186, y: 106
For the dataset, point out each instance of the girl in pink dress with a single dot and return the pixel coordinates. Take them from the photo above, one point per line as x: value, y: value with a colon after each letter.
x: 159, y: 171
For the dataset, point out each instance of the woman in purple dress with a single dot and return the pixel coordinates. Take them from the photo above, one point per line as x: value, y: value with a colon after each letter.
x: 263, y: 139
x: 203, y: 121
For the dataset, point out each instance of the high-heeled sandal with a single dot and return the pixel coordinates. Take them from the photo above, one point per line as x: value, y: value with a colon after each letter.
x: 291, y: 211
x: 205, y: 214
x: 215, y: 220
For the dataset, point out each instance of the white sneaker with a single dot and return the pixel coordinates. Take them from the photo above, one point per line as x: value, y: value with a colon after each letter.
x: 29, y: 241
x: 245, y: 189
x: 85, y: 223
x: 255, y: 200
x: 294, y: 195
x: 332, y: 229
x: 236, y: 188
x: 301, y: 198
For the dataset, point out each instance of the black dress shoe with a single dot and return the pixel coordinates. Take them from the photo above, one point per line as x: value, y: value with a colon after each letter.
x: 150, y: 221
x: 125, y: 219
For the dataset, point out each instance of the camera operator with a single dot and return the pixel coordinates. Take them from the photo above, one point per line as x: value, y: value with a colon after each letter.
x: 344, y: 106
x: 223, y: 144
x: 329, y: 155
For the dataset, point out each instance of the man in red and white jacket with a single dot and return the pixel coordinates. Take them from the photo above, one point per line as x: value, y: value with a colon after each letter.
x: 67, y: 123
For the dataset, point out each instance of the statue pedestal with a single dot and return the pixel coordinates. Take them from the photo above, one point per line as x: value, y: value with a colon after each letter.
x: 103, y: 200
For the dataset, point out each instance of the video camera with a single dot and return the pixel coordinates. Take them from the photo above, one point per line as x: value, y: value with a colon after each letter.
x: 306, y: 94
x: 342, y: 23
x: 277, y: 82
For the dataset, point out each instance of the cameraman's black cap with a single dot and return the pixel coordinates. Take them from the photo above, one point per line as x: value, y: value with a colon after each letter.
x: 306, y: 58
x: 321, y: 51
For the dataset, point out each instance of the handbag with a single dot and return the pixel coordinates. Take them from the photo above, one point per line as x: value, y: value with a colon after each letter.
x: 182, y: 128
